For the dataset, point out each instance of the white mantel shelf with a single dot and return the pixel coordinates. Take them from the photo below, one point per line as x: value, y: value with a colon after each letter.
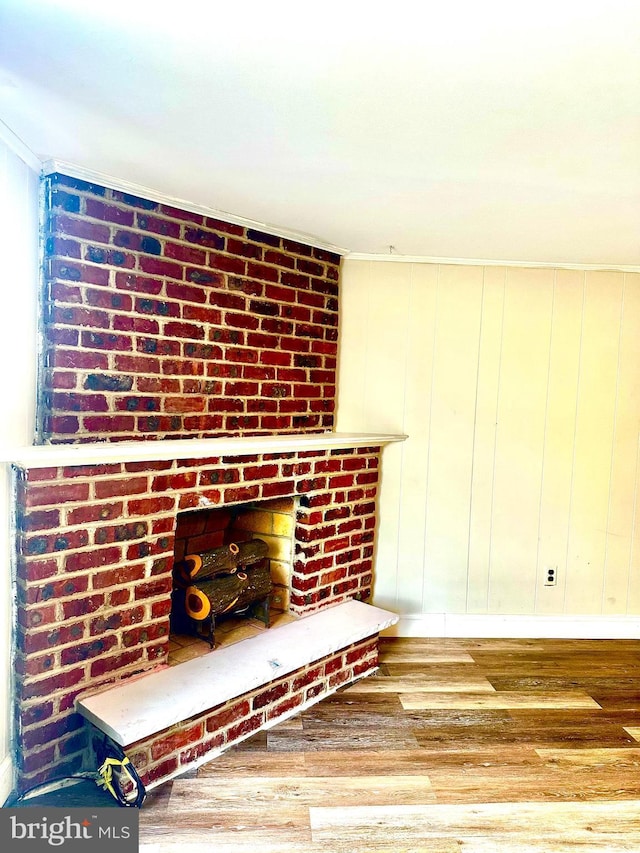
x: 144, y: 706
x: 53, y: 455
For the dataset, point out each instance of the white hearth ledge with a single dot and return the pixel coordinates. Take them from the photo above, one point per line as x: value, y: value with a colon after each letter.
x: 141, y: 707
x: 97, y: 453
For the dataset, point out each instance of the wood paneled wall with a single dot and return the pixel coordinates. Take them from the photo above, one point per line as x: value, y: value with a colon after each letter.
x: 519, y: 389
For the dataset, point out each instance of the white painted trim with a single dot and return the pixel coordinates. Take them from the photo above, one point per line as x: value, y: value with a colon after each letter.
x: 19, y: 148
x: 51, y: 455
x: 578, y: 627
x: 478, y: 262
x: 6, y: 778
x: 74, y: 171
x: 93, y: 176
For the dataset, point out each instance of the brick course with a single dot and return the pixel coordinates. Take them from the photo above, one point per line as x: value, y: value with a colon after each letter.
x: 145, y: 303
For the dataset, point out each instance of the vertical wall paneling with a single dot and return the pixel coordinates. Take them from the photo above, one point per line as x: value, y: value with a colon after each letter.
x: 595, y: 421
x: 420, y: 334
x: 386, y: 368
x: 484, y: 439
x: 371, y: 362
x: 388, y: 299
x: 557, y: 470
x: 625, y: 438
x: 387, y: 536
x: 633, y: 597
x: 520, y: 392
x: 522, y: 401
x: 451, y: 438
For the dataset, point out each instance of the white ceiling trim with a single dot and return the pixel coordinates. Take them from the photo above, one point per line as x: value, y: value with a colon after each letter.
x: 19, y: 148
x: 91, y: 176
x: 477, y: 262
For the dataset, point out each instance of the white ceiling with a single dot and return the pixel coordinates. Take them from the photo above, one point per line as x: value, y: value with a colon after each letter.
x: 503, y: 129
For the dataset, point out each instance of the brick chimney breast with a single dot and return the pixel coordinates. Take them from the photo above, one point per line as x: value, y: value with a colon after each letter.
x: 161, y: 323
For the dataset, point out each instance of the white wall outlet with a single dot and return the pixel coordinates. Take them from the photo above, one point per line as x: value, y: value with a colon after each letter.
x: 550, y: 575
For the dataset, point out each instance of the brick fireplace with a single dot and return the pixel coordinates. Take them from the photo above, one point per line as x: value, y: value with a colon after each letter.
x: 163, y: 324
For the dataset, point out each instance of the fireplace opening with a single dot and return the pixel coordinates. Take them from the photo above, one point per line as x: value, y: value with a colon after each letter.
x: 232, y: 575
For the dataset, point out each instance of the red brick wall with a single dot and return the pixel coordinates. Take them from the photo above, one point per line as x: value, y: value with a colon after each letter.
x: 163, y: 323
x: 95, y: 559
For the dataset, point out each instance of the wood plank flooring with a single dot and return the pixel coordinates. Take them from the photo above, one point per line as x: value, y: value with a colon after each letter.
x: 455, y: 746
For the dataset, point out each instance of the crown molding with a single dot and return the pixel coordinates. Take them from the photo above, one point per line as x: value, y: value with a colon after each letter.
x: 479, y: 262
x: 93, y: 177
x: 20, y: 148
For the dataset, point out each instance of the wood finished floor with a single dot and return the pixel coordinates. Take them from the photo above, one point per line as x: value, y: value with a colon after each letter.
x: 456, y: 746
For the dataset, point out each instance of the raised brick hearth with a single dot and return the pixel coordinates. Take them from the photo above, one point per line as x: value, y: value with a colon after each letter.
x: 161, y: 323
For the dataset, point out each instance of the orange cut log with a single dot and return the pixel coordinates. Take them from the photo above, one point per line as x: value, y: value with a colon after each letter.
x: 196, y: 603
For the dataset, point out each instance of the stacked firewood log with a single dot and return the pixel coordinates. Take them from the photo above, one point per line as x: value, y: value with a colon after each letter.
x: 231, y: 579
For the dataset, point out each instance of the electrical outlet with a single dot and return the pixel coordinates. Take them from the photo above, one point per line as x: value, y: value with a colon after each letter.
x: 550, y: 575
